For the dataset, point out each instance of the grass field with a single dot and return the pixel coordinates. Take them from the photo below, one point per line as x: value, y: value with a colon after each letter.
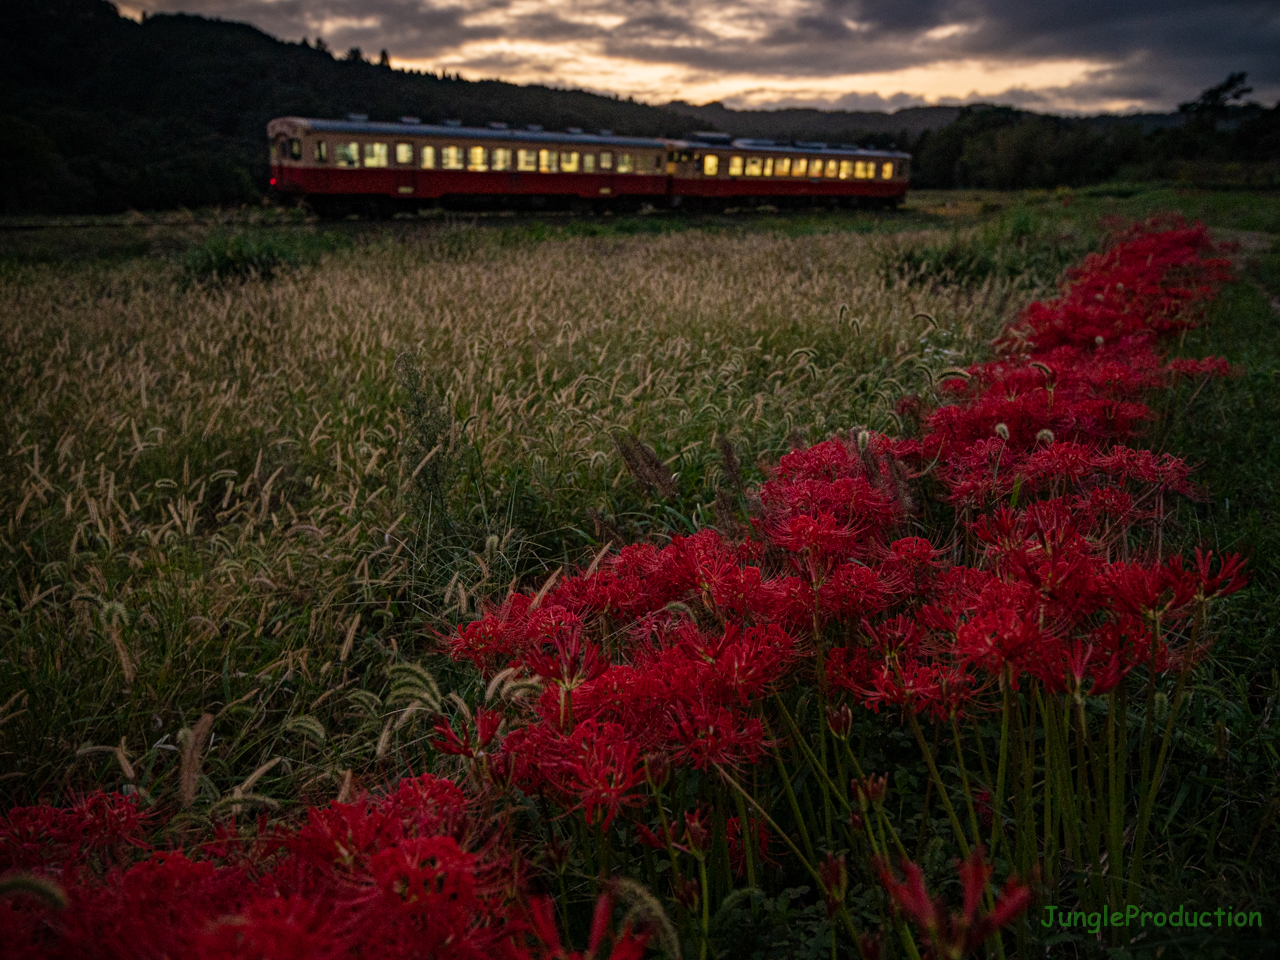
x: 254, y: 466
x: 266, y: 492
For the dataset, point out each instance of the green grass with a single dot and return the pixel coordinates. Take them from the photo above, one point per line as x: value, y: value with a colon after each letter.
x: 1223, y: 848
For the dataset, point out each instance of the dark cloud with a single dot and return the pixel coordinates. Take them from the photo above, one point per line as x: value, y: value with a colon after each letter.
x: 1153, y: 53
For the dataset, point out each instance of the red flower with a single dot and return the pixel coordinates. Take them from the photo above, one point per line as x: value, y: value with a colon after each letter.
x: 950, y: 934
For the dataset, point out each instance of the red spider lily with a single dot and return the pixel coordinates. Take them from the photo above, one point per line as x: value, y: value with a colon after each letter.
x: 950, y: 934
x: 600, y: 766
x: 107, y: 826
x: 571, y: 663
x: 1204, y: 367
x: 280, y: 928
x: 624, y: 945
x: 737, y: 839
x: 427, y: 877
x: 488, y: 723
x: 706, y: 735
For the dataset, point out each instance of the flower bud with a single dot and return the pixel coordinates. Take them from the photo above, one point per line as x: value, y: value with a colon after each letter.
x: 657, y: 768
x: 556, y: 854
x: 687, y: 893
x: 835, y: 878
x: 856, y: 823
x: 870, y: 789
x: 696, y: 832
x: 840, y: 721
x: 1002, y: 431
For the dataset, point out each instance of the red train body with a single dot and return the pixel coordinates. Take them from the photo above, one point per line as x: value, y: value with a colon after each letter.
x: 354, y: 166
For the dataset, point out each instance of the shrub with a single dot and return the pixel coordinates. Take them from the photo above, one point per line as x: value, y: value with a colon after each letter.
x: 225, y: 255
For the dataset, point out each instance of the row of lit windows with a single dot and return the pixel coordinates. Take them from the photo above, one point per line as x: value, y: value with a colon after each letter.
x: 480, y: 159
x: 798, y: 167
x: 476, y: 159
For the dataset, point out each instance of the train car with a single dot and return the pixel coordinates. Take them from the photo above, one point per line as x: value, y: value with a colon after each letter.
x: 340, y: 167
x: 713, y: 170
x: 354, y: 166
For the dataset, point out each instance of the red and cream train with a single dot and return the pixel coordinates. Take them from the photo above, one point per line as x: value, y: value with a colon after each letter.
x: 354, y: 166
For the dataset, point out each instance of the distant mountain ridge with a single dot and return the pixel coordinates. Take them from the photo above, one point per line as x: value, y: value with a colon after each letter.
x: 807, y: 123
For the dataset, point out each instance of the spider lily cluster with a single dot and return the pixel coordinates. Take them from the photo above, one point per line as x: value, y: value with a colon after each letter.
x: 700, y: 718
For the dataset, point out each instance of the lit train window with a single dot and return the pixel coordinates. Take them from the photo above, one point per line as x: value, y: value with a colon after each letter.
x: 404, y: 153
x: 322, y: 151
x: 860, y: 170
x: 527, y: 160
x: 606, y: 161
x: 588, y: 163
x: 295, y: 149
x: 428, y: 158
x: 547, y: 161
x: 477, y: 159
x: 569, y: 162
x: 887, y: 171
x: 735, y: 166
x: 375, y: 154
x: 657, y: 162
x: 451, y: 158
x: 833, y: 168
x: 347, y: 154
x: 782, y: 167
x: 755, y: 166
x: 501, y: 158
x: 710, y: 165
x: 800, y: 167
x: 625, y: 163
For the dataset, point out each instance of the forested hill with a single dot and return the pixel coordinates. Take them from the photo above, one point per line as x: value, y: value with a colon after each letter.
x: 99, y: 113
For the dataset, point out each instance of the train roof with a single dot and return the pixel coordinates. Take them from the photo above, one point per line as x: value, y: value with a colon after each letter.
x: 408, y: 127
x: 792, y: 146
x: 522, y: 134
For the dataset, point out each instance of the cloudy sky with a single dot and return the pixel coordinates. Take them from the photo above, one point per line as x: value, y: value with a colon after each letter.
x: 1051, y: 55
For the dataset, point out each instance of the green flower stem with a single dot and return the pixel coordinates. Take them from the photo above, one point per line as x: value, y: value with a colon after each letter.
x: 958, y: 743
x: 1148, y: 799
x: 1002, y: 765
x: 666, y: 830
x: 1091, y: 760
x: 842, y: 911
x: 937, y: 780
x: 820, y: 769
x: 791, y: 801
x: 1115, y: 798
x: 706, y: 907
x: 748, y: 840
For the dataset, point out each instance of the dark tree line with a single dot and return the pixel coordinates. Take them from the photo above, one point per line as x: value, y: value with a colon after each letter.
x: 101, y: 114
x: 1214, y: 138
